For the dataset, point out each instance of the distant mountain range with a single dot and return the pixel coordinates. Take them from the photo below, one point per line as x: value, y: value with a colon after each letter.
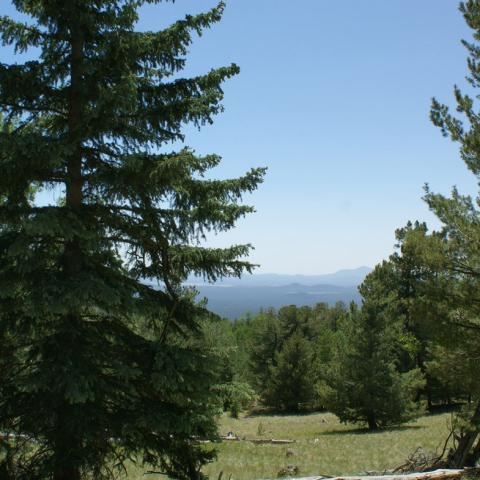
x: 343, y: 278
x: 233, y: 297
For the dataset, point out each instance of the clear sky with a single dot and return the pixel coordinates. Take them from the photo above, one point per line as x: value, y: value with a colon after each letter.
x: 334, y: 98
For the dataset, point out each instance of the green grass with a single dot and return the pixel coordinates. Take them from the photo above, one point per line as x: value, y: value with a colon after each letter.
x: 323, y: 446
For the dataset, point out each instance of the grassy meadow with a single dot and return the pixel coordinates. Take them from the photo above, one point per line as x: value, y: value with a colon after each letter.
x: 323, y: 446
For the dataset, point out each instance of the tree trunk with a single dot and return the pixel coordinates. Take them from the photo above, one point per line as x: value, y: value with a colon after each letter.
x: 475, y: 455
x: 458, y: 458
x: 67, y: 474
x: 372, y: 422
x: 66, y: 455
x: 63, y: 471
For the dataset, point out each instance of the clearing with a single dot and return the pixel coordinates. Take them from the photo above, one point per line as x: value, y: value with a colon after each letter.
x: 323, y: 446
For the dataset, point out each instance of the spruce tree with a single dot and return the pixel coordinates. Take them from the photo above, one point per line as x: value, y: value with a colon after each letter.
x: 263, y: 345
x: 363, y: 384
x: 98, y: 366
x: 291, y: 383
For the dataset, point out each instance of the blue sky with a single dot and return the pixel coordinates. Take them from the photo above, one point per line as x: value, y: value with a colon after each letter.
x: 333, y: 97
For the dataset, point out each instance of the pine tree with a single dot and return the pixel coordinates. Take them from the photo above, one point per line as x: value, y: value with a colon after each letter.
x: 97, y: 365
x: 263, y: 345
x: 452, y: 254
x: 363, y: 384
x: 232, y: 391
x: 291, y: 382
x: 294, y: 320
x: 407, y: 281
x: 398, y: 285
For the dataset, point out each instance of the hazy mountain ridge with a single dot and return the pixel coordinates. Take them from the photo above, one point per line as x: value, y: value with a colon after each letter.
x: 234, y: 298
x: 345, y: 278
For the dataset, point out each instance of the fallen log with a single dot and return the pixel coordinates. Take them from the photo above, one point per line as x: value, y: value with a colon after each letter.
x: 272, y: 441
x: 230, y: 438
x: 258, y: 441
x: 440, y: 474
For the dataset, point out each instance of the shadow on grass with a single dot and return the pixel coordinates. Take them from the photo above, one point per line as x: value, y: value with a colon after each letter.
x: 276, y: 413
x: 441, y: 409
x: 366, y: 431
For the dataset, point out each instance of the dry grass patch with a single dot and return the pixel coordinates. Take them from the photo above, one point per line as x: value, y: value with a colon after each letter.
x: 323, y: 446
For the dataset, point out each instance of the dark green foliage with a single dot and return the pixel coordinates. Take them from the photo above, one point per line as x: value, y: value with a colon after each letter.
x: 241, y: 331
x: 263, y: 345
x: 294, y: 320
x: 232, y: 391
x: 452, y: 258
x: 400, y: 287
x: 363, y: 384
x: 97, y: 366
x: 287, y: 350
x: 292, y: 379
x: 236, y: 397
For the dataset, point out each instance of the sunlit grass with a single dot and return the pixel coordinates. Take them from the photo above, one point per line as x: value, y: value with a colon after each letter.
x: 323, y: 446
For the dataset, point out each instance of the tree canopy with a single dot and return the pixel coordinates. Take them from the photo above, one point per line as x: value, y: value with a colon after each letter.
x: 99, y: 365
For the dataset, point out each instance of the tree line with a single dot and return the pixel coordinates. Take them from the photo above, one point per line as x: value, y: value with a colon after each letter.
x: 410, y: 348
x: 378, y: 363
x: 414, y: 342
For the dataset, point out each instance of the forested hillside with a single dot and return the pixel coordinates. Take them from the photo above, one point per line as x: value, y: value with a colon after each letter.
x: 236, y: 301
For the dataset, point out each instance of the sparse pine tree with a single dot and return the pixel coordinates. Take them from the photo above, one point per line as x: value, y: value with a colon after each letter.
x: 453, y: 253
x: 291, y: 383
x: 263, y: 345
x: 98, y: 366
x: 293, y: 319
x: 363, y: 384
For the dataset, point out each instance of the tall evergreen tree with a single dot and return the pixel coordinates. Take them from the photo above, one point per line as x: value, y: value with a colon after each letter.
x: 293, y: 319
x: 98, y: 366
x: 363, y: 384
x: 400, y: 282
x: 263, y: 345
x: 453, y: 254
x: 292, y: 379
